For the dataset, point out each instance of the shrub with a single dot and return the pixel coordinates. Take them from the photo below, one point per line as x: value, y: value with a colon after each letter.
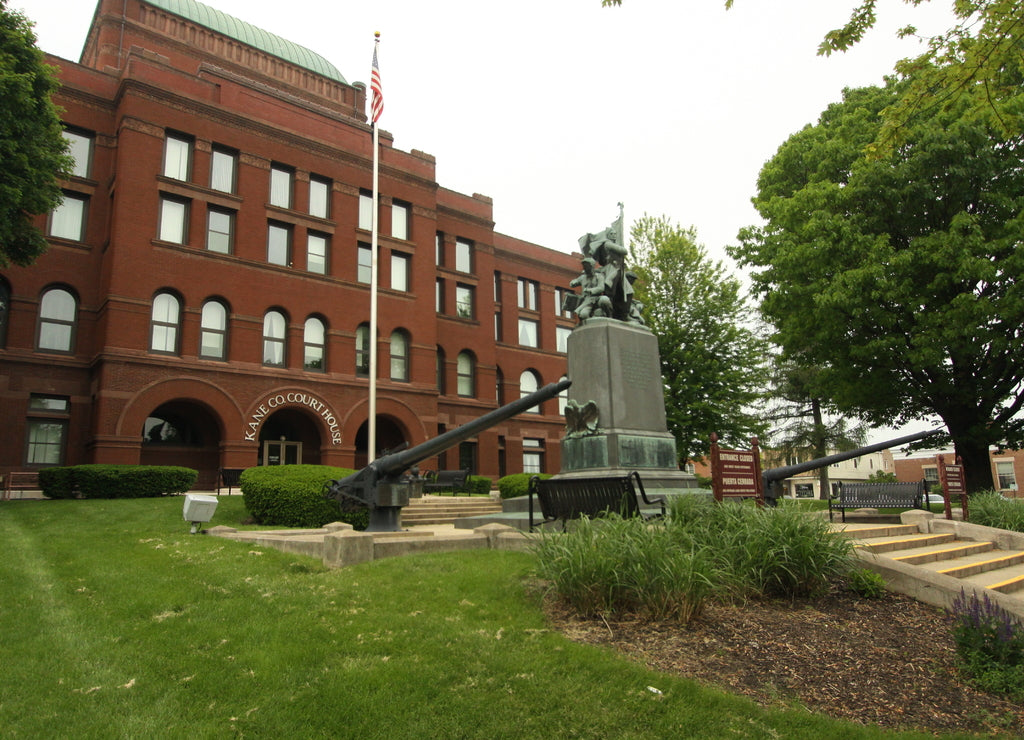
x: 771, y: 552
x: 479, y: 484
x: 57, y: 482
x: 990, y: 644
x: 866, y: 583
x: 517, y: 484
x: 116, y: 481
x: 293, y: 496
x: 992, y: 510
x: 618, y: 566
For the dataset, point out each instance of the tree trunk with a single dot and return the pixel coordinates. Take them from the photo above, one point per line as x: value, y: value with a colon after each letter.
x: 820, y: 448
x: 977, y: 466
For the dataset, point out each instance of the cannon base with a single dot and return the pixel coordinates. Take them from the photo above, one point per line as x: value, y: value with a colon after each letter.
x: 385, y: 519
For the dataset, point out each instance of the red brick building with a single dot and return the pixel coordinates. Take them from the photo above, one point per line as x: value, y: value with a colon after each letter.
x: 1007, y: 468
x: 205, y: 298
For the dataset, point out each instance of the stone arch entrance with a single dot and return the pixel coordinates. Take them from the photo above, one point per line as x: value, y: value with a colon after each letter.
x: 186, y: 433
x: 289, y: 436
x: 390, y: 433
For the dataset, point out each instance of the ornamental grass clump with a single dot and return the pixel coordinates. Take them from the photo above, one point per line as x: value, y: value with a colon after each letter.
x: 614, y: 566
x: 989, y: 644
x: 992, y: 510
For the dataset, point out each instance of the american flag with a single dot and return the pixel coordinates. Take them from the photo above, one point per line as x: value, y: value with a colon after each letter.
x: 377, y: 102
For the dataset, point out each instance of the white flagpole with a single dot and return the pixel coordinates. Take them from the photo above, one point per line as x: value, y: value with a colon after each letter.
x: 371, y: 442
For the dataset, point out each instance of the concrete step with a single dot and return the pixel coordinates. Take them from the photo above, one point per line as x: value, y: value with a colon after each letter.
x: 981, y: 563
x: 1007, y: 580
x: 870, y: 531
x: 882, y: 545
x: 446, y: 509
x: 925, y: 555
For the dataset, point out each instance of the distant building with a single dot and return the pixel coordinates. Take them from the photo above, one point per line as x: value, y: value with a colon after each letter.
x: 205, y: 299
x: 1007, y: 468
x: 856, y: 470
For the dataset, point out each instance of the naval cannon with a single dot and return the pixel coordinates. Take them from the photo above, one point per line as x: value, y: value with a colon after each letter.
x: 383, y: 485
x: 773, y: 475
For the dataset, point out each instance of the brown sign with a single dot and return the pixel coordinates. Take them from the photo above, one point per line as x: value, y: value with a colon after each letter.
x: 736, y: 473
x: 953, y: 482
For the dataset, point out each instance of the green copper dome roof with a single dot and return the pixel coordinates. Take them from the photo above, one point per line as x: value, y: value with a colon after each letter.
x: 249, y: 34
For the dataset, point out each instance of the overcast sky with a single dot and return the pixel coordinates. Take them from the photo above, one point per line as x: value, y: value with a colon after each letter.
x: 559, y: 109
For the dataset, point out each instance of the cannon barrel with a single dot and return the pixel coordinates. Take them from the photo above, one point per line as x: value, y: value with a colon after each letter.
x: 774, y: 474
x: 376, y: 484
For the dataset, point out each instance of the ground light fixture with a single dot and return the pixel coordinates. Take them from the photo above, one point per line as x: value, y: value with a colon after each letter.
x: 198, y: 509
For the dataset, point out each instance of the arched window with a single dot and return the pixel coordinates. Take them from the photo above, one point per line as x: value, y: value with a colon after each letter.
x: 465, y: 368
x: 274, y: 334
x: 442, y: 386
x: 58, y: 311
x: 563, y: 397
x: 528, y: 383
x: 5, y: 310
x: 213, y: 331
x: 314, y: 340
x: 363, y: 350
x: 399, y: 355
x: 165, y: 323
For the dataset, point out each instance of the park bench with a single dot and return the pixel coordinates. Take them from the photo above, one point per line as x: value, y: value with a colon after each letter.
x: 20, y: 481
x: 570, y: 498
x: 444, y: 481
x: 229, y: 478
x: 877, y: 496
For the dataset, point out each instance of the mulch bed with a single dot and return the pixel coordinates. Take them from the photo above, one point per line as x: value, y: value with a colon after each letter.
x: 888, y: 661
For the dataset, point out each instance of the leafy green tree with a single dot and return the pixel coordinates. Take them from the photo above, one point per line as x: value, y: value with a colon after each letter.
x: 712, y: 362
x: 800, y: 422
x: 32, y: 145
x: 900, y: 275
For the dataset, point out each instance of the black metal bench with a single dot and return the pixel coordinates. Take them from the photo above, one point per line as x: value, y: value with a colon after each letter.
x: 444, y: 481
x: 877, y: 496
x: 570, y: 498
x: 229, y: 478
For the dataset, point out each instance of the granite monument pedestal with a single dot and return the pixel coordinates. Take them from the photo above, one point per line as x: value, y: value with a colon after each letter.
x: 616, y: 366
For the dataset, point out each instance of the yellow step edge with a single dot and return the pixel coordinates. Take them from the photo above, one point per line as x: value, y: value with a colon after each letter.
x: 909, y: 540
x: 981, y: 562
x: 971, y: 546
x: 1007, y: 582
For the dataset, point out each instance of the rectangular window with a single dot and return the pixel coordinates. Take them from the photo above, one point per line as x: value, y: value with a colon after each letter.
x: 173, y: 220
x: 562, y: 338
x: 467, y: 457
x: 280, y: 186
x: 527, y: 294
x: 220, y: 230
x: 80, y: 148
x: 497, y: 326
x: 223, y: 165
x: 527, y: 333
x: 463, y: 255
x: 439, y: 249
x: 1007, y: 478
x: 533, y: 456
x: 439, y: 296
x: 497, y: 287
x: 319, y: 197
x: 46, y: 430
x: 177, y: 156
x: 560, y: 295
x: 365, y: 210
x: 317, y: 246
x: 363, y: 266
x: 931, y: 474
x: 279, y: 243
x: 68, y: 219
x: 400, y: 272
x: 401, y: 220
x: 464, y: 302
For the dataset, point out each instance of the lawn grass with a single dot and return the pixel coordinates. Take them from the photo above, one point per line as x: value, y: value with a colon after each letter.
x: 115, y: 622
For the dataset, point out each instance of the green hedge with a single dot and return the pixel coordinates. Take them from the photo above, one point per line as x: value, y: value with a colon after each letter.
x: 115, y: 481
x: 293, y: 496
x: 517, y: 484
x: 478, y: 484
